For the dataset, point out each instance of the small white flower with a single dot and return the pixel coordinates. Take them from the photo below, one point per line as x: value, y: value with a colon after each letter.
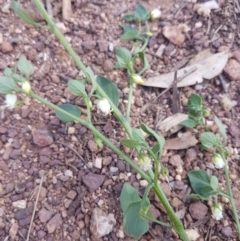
x: 137, y: 79
x: 218, y: 161
x: 10, y: 101
x: 26, y: 86
x: 217, y: 211
x: 155, y: 13
x: 104, y: 106
x: 145, y: 162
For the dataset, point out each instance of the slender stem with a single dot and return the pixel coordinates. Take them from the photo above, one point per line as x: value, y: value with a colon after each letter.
x: 231, y: 199
x: 89, y: 115
x: 176, y: 223
x: 130, y: 95
x: 95, y: 131
x: 79, y: 63
x: 60, y: 36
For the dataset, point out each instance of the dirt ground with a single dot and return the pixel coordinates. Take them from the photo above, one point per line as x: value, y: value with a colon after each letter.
x: 76, y: 177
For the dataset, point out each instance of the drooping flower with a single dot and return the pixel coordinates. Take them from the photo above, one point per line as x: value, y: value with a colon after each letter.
x: 137, y: 79
x: 145, y: 162
x: 10, y: 101
x: 218, y: 161
x: 217, y: 211
x: 155, y: 13
x: 104, y: 106
x: 26, y: 87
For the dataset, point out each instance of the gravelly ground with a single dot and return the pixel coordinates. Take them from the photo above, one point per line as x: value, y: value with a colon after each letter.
x: 78, y: 177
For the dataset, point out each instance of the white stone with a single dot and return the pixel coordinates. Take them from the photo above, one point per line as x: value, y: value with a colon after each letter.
x: 101, y: 224
x: 20, y: 204
x: 68, y: 173
x: 113, y: 169
x: 143, y: 183
x: 192, y: 234
x: 71, y: 130
x: 61, y: 27
x: 198, y: 24
x: 98, y: 162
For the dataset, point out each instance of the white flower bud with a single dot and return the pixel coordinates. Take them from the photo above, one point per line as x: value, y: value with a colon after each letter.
x: 26, y: 87
x: 145, y: 162
x: 156, y: 13
x: 10, y: 101
x: 137, y: 79
x: 217, y: 211
x: 218, y: 161
x: 104, y: 106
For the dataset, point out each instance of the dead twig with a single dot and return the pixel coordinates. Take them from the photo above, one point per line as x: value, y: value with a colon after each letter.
x: 179, y: 10
x: 166, y: 90
x: 223, y: 83
x: 35, y: 207
x: 175, y: 94
x: 72, y: 150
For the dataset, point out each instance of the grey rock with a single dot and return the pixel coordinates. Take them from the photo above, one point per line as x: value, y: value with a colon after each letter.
x: 227, y: 231
x: 6, y: 47
x: 93, y: 181
x: 72, y: 194
x: 103, y: 45
x: 20, y: 187
x: 15, y: 153
x: 176, y: 160
x: 54, y: 223
x: 45, y: 215
x: 23, y: 213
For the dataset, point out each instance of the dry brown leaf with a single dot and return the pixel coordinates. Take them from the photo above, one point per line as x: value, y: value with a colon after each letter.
x: 207, y: 68
x: 171, y: 124
x: 179, y: 143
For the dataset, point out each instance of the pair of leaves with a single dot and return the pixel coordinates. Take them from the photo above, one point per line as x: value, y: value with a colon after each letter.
x: 140, y: 14
x: 133, y: 206
x: 194, y: 107
x: 203, y: 185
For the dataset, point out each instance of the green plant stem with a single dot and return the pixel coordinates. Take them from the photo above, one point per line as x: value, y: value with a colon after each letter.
x: 229, y: 189
x: 79, y: 63
x: 176, y: 223
x: 130, y: 95
x: 95, y: 131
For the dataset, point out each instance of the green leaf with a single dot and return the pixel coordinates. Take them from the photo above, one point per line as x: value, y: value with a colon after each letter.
x: 156, y: 149
x: 208, y: 139
x: 25, y: 67
x: 129, y: 36
x: 194, y: 196
x: 8, y: 72
x: 133, y: 223
x: 130, y: 143
x: 160, y: 139
x: 201, y: 183
x: 129, y: 17
x: 17, y: 8
x: 141, y: 12
x: 137, y: 135
x: 7, y: 85
x: 124, y: 58
x: 194, y: 105
x: 109, y: 88
x: 221, y: 128
x: 214, y: 182
x: 128, y: 28
x: 128, y: 195
x: 71, y: 109
x: 77, y: 87
x: 189, y: 123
